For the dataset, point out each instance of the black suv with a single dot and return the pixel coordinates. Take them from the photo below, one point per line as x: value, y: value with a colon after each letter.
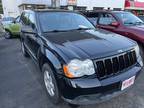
x: 80, y: 63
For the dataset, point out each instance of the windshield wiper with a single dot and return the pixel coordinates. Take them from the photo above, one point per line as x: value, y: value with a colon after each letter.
x: 56, y: 31
x: 83, y: 28
x: 67, y: 30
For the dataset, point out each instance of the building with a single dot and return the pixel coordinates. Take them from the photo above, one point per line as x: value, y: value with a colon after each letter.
x: 1, y: 9
x: 14, y: 7
x: 33, y: 4
x: 135, y: 6
x: 93, y: 4
x: 10, y: 8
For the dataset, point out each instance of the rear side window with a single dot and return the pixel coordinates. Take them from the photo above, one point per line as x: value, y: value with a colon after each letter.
x: 24, y: 18
x: 8, y: 19
x: 106, y: 19
x: 28, y: 19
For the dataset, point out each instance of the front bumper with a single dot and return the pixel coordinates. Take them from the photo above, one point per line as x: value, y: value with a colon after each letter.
x: 91, y: 90
x: 93, y: 99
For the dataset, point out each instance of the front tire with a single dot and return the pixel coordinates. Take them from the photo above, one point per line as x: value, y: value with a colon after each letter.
x: 50, y: 84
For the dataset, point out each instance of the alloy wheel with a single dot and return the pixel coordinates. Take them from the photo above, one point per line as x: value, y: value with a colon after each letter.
x: 7, y: 35
x: 49, y: 83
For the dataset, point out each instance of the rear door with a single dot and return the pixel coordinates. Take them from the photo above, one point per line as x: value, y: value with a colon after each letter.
x: 24, y: 28
x: 29, y: 33
x: 32, y: 36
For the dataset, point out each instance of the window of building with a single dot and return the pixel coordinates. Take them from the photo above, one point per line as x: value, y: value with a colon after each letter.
x: 98, y: 8
x: 79, y: 8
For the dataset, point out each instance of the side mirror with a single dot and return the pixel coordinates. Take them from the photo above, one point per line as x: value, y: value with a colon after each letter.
x: 114, y: 24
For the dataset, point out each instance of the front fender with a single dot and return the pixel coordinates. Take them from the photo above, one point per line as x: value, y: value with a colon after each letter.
x: 53, y: 59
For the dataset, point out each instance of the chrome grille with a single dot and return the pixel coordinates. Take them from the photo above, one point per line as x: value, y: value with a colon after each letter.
x: 113, y: 65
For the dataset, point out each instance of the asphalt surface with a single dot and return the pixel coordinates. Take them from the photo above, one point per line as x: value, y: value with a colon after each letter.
x: 20, y: 83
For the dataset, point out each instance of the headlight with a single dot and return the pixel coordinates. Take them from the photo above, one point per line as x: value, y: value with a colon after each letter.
x: 137, y: 51
x: 78, y: 68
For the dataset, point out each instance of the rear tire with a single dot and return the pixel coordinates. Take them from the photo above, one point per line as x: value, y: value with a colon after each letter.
x: 7, y: 35
x: 24, y: 50
x: 50, y: 84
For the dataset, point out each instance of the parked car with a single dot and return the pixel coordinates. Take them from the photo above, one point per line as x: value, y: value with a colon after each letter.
x: 80, y: 64
x: 121, y: 22
x: 7, y: 20
x: 12, y: 29
x: 2, y: 31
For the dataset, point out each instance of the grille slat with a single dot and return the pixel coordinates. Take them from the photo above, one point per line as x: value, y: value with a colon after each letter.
x: 113, y: 65
x: 101, y: 68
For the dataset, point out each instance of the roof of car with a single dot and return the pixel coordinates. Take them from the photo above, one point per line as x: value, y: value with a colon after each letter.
x: 108, y: 11
x: 48, y: 10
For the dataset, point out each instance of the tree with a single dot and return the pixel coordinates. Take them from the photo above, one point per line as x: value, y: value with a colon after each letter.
x: 1, y: 8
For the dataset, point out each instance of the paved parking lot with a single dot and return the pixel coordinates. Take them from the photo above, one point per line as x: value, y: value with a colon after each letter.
x: 20, y: 84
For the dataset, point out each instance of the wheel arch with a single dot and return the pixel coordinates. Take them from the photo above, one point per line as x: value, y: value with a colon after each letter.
x: 48, y: 57
x: 8, y: 30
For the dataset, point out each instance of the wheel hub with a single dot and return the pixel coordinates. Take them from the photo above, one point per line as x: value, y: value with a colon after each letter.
x: 49, y: 83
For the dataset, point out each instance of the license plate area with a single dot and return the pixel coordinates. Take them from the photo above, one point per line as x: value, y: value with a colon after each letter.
x: 127, y: 83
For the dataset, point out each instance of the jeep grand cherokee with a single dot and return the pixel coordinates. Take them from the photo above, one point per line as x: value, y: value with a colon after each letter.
x: 80, y: 64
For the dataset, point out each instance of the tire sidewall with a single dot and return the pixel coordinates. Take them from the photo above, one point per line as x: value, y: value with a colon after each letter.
x: 6, y: 33
x: 56, y: 98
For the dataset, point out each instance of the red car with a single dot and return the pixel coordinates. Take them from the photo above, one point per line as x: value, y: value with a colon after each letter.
x: 120, y: 22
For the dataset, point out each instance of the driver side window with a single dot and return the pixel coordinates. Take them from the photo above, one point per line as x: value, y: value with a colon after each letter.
x: 17, y: 20
x: 106, y: 19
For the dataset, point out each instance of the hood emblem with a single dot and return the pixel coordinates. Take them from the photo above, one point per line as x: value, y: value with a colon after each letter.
x: 120, y: 51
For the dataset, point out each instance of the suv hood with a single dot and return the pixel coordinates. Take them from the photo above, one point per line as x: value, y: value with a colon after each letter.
x: 138, y: 27
x: 138, y: 31
x: 85, y: 44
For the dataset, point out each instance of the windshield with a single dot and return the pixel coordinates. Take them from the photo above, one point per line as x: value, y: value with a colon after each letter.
x: 8, y: 19
x: 63, y: 21
x: 129, y: 18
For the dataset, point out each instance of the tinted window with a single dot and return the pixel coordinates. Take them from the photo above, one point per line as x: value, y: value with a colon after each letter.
x: 128, y: 18
x: 8, y: 19
x: 106, y: 19
x: 24, y: 18
x: 50, y: 21
x: 31, y: 21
